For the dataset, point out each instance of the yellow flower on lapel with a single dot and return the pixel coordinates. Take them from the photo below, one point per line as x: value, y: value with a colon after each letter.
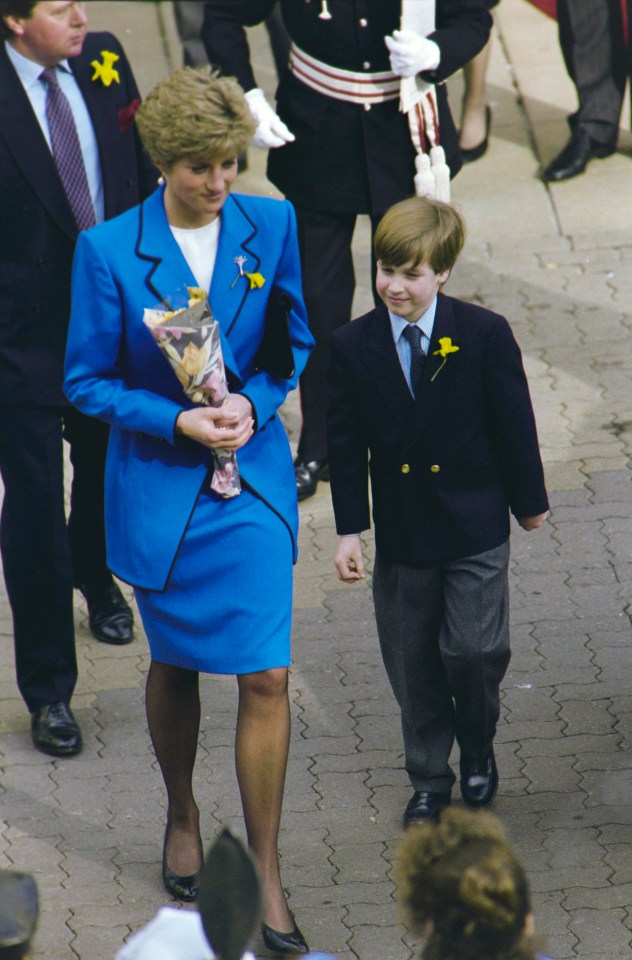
x: 446, y: 347
x: 256, y: 279
x: 105, y: 72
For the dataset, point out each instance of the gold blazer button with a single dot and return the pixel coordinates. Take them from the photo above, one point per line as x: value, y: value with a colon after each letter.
x: 435, y: 468
x: 405, y: 468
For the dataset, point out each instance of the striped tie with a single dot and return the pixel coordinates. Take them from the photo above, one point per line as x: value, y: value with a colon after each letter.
x: 417, y: 356
x: 67, y: 151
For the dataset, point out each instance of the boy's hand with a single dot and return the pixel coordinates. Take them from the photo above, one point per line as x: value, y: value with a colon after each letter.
x: 348, y: 559
x: 532, y: 523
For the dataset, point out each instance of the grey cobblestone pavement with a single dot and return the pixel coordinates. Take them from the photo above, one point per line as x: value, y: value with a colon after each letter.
x: 558, y: 262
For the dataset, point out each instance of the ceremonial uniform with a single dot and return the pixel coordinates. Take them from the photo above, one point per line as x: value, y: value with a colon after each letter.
x: 348, y: 158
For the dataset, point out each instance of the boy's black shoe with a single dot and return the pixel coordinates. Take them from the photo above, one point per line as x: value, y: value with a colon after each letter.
x: 479, y: 780
x: 425, y: 805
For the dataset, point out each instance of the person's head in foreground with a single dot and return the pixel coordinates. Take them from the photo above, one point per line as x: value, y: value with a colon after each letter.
x: 416, y: 244
x: 193, y: 125
x: 462, y: 888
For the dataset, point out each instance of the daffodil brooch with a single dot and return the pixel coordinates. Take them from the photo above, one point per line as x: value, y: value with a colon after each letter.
x: 255, y: 279
x: 105, y: 71
x: 446, y: 347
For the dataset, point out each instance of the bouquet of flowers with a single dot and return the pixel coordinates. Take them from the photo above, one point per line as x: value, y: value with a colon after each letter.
x: 190, y: 340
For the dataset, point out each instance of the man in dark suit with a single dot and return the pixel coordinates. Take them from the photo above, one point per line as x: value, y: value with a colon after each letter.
x: 594, y: 49
x: 428, y: 393
x: 69, y: 157
x: 336, y: 155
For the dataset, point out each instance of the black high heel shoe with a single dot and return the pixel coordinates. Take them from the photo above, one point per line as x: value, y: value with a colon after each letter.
x: 285, y: 944
x: 182, y: 888
x: 475, y: 153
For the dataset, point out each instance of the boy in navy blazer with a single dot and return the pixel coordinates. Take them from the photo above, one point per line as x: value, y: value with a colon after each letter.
x: 428, y: 397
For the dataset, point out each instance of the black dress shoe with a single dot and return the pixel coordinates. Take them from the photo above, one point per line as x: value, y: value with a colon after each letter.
x: 308, y: 473
x: 475, y: 153
x: 479, y: 780
x: 54, y: 730
x: 575, y: 156
x: 181, y: 888
x: 425, y: 805
x: 285, y: 944
x: 109, y: 616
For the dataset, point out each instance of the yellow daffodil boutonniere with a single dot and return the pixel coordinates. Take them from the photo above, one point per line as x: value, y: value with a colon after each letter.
x: 255, y: 279
x: 446, y: 347
x: 105, y: 72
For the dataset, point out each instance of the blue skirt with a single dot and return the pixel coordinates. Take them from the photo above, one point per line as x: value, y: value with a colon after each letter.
x: 227, y: 606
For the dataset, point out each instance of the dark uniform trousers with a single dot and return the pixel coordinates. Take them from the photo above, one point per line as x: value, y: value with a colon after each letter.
x: 592, y: 41
x: 42, y: 553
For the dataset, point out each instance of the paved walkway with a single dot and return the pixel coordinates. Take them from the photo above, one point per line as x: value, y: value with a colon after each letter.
x: 558, y: 262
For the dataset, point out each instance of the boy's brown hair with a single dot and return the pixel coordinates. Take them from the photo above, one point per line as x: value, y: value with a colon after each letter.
x: 420, y: 230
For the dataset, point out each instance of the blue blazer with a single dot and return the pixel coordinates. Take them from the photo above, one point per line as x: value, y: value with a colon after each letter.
x: 115, y: 371
x: 447, y: 467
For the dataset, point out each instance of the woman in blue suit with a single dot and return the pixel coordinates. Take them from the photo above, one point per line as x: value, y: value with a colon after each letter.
x: 212, y: 576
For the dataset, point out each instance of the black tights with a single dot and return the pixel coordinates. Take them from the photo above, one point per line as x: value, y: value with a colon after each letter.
x: 261, y: 749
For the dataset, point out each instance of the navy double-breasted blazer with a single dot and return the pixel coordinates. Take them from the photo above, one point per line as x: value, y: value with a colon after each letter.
x: 38, y: 232
x: 448, y: 466
x: 115, y: 371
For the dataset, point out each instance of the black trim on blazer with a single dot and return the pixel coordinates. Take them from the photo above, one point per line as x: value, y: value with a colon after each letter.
x: 149, y: 259
x: 255, y: 231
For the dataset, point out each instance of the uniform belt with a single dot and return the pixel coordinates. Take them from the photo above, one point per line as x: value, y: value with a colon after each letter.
x: 362, y: 88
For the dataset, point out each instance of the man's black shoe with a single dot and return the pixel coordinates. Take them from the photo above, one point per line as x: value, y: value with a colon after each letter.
x: 109, y: 616
x: 425, y: 805
x: 479, y: 780
x: 575, y: 156
x: 307, y: 476
x: 54, y: 730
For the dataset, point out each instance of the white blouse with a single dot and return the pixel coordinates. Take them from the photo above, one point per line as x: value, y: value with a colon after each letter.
x: 199, y: 248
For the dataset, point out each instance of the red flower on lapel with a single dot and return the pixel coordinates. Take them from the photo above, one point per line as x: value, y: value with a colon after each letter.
x: 126, y: 115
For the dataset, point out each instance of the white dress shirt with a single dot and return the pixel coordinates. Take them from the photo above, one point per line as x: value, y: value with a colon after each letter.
x: 29, y: 73
x: 425, y: 324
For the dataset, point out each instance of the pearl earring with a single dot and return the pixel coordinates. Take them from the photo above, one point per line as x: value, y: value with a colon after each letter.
x: 324, y: 11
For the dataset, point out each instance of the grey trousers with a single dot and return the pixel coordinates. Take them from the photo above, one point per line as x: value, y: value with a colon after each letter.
x: 444, y: 636
x: 591, y: 38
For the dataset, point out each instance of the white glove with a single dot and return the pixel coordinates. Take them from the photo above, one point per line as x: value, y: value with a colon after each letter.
x: 411, y: 53
x: 271, y: 131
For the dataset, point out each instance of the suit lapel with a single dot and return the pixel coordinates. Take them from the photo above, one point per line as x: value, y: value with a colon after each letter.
x: 105, y: 126
x: 230, y: 291
x: 23, y: 135
x: 432, y: 391
x: 167, y: 273
x: 380, y: 355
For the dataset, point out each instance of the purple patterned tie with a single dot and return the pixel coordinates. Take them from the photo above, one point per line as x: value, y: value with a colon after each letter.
x: 67, y: 151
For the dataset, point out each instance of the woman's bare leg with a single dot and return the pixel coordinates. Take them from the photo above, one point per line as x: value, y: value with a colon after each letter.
x: 474, y: 116
x: 172, y: 701
x: 261, y: 750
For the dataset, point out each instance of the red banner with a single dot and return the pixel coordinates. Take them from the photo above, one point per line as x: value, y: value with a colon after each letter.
x: 550, y: 8
x: 546, y: 6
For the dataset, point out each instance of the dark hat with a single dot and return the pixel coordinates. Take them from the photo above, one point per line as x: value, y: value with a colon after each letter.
x: 19, y: 908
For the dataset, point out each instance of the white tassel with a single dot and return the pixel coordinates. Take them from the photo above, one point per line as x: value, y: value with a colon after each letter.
x: 324, y: 11
x: 425, y: 185
x: 441, y: 173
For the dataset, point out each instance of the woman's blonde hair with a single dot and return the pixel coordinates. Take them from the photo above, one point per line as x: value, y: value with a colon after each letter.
x: 461, y: 885
x: 194, y: 115
x: 420, y: 230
